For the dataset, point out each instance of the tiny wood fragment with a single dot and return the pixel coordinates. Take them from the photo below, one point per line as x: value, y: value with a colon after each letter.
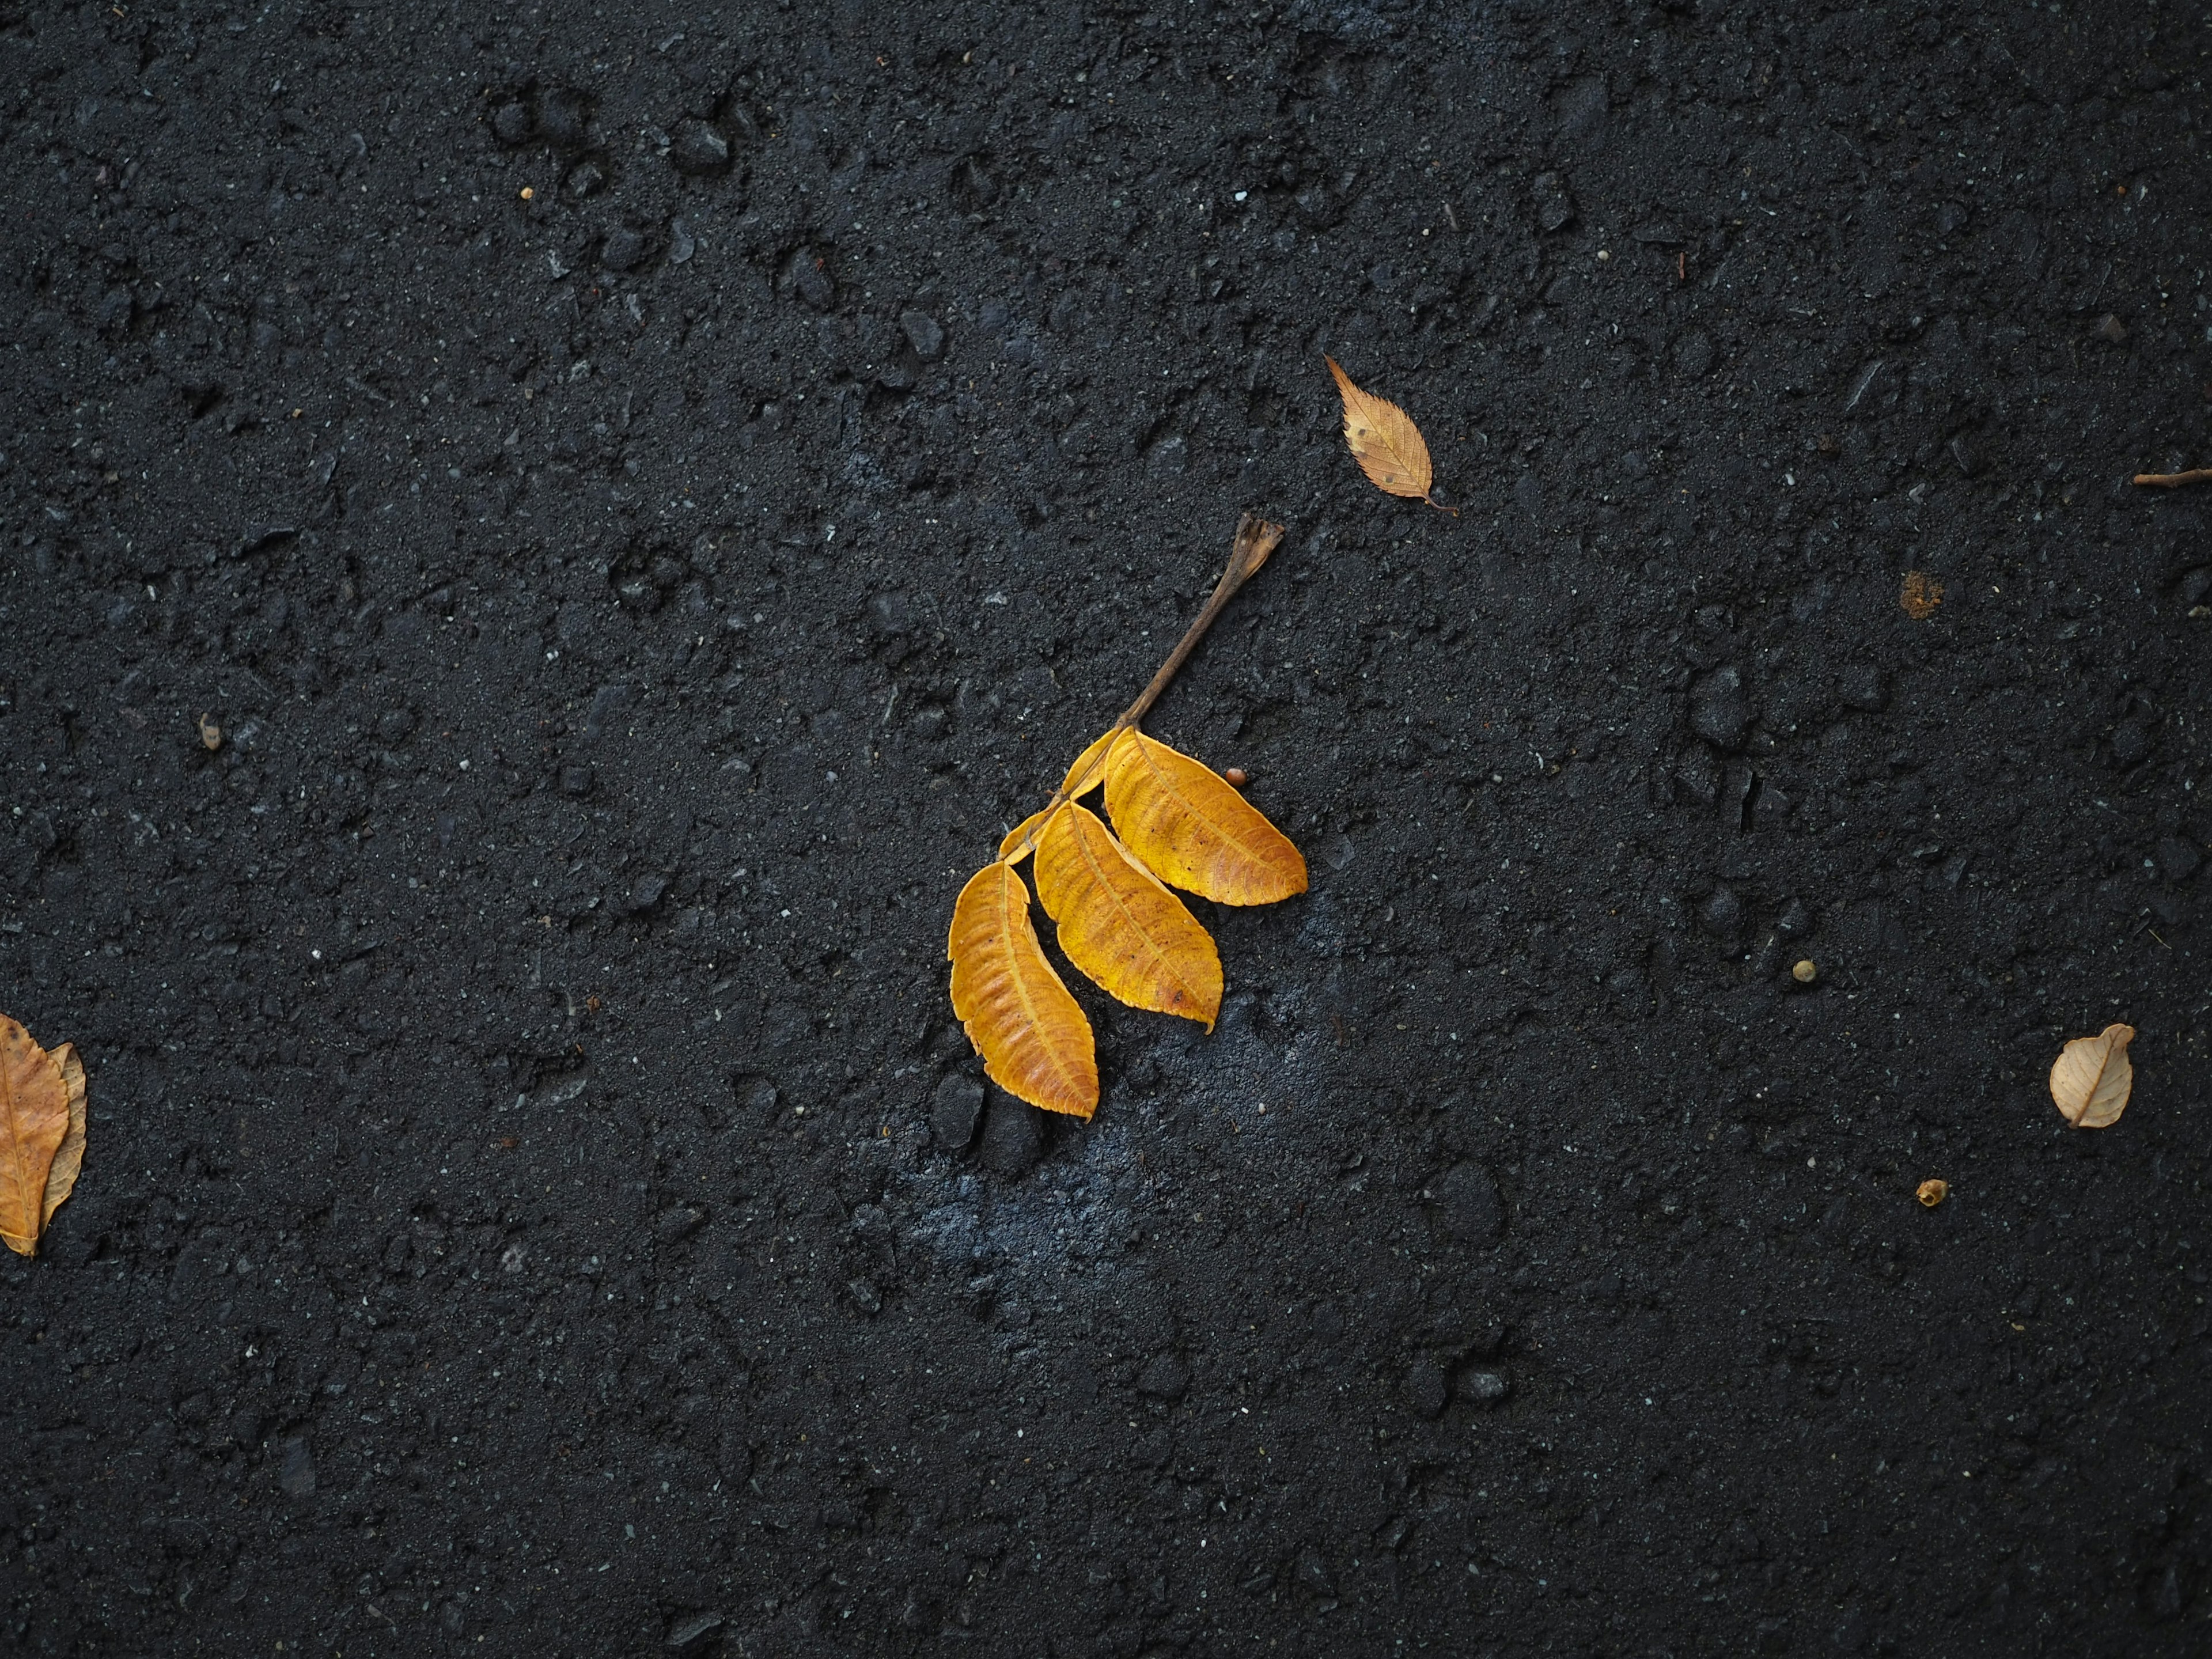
x: 2174, y: 480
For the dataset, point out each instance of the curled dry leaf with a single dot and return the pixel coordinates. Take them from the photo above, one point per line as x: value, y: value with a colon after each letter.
x: 42, y: 1120
x: 1035, y: 1041
x: 2091, y: 1079
x: 1384, y: 440
x: 1932, y: 1192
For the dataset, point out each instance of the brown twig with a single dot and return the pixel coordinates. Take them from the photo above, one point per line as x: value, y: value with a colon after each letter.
x: 2169, y: 480
x: 1255, y: 539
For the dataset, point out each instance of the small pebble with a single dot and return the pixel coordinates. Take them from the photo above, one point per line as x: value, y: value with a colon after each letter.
x: 563, y: 116
x: 1485, y: 1388
x: 698, y: 149
x: 623, y: 249
x: 1236, y: 777
x: 1805, y: 973
x: 924, y: 333
x: 953, y: 1110
x: 296, y: 1475
x: 1720, y: 712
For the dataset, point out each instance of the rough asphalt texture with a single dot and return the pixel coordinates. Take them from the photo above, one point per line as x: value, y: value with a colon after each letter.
x: 649, y: 494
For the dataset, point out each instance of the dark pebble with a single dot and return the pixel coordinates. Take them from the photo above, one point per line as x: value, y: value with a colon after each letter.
x: 296, y: 1474
x: 1967, y: 455
x: 1426, y: 1389
x: 924, y: 333
x: 676, y: 1223
x: 1722, y: 913
x: 2131, y: 743
x: 691, y: 1632
x: 394, y: 725
x: 865, y: 1297
x: 1862, y: 688
x: 1719, y: 711
x: 1694, y: 355
x: 1313, y: 1573
x: 2179, y: 860
x: 587, y: 179
x: 624, y: 250
x: 1468, y: 1209
x: 1794, y: 919
x: 645, y: 892
x: 698, y: 149
x: 1555, y: 208
x: 1165, y: 1377
x: 564, y: 116
x: 1484, y: 1387
x: 1013, y: 1136
x: 953, y: 1111
x: 576, y: 780
x: 511, y: 123
x: 805, y: 276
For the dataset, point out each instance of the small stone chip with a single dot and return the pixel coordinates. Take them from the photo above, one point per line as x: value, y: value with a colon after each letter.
x: 210, y: 733
x: 1805, y: 973
x: 1932, y: 1192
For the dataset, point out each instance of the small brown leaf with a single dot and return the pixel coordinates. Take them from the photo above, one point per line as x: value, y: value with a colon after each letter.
x: 41, y: 1114
x: 1384, y: 440
x: 2091, y: 1077
x: 1921, y: 594
x: 1932, y: 1192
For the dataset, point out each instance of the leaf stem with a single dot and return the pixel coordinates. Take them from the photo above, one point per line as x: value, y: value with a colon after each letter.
x: 1255, y: 539
x: 2168, y: 480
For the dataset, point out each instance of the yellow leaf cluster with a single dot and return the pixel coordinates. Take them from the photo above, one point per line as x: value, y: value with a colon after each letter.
x: 1109, y: 897
x: 1176, y: 824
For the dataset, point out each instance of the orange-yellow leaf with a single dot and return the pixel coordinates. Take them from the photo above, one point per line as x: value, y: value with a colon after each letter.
x: 1089, y: 768
x: 35, y: 1119
x: 1120, y: 926
x: 1013, y: 849
x: 1384, y: 440
x: 1034, y: 1039
x: 1189, y: 828
x: 2092, y: 1078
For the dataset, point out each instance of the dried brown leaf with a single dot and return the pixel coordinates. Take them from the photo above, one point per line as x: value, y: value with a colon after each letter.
x: 2093, y: 1076
x: 35, y: 1121
x: 1384, y: 440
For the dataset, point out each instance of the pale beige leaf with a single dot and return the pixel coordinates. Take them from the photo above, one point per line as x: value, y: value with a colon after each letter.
x: 2091, y: 1077
x: 1384, y: 440
x: 35, y: 1119
x: 1135, y: 939
x: 1035, y: 1042
x: 61, y: 1179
